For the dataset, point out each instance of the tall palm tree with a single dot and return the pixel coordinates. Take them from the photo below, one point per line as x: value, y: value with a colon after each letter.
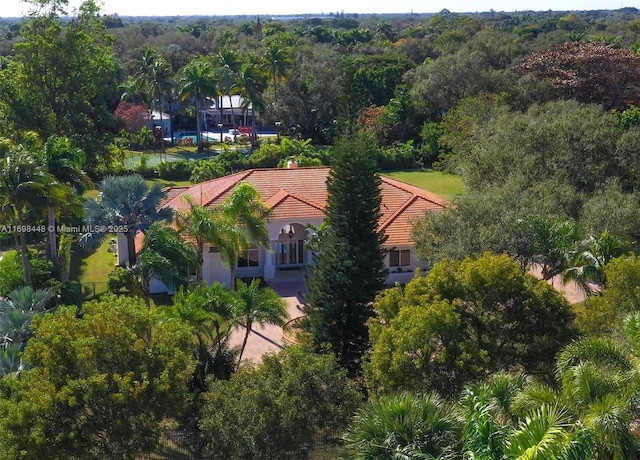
x: 127, y: 203
x: 251, y: 83
x: 25, y: 187
x: 132, y: 90
x: 160, y: 82
x: 198, y: 82
x: 258, y: 305
x: 201, y: 226
x: 239, y: 223
x: 165, y: 256
x: 276, y: 63
x: 64, y: 162
x: 245, y: 207
x: 230, y: 65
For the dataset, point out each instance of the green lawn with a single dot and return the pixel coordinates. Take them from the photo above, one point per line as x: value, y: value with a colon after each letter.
x: 171, y: 183
x: 92, y: 268
x: 443, y: 184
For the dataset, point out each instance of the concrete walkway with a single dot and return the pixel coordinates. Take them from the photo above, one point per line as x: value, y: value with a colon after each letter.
x: 269, y: 338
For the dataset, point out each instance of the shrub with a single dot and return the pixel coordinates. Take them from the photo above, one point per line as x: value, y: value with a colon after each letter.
x: 143, y: 168
x: 272, y: 409
x: 12, y: 273
x: 175, y: 170
x: 402, y: 156
x: 204, y: 170
x: 119, y: 280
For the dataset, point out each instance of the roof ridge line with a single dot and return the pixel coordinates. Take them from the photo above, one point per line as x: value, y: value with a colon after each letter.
x: 243, y: 175
x: 397, y: 212
x: 286, y: 194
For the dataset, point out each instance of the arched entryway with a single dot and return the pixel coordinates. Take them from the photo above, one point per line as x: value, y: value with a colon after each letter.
x: 289, y: 248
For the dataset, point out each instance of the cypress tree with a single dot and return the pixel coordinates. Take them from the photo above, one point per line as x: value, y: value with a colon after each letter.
x: 348, y: 269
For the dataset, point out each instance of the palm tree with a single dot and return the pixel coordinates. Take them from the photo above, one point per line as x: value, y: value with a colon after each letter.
x: 544, y: 434
x: 251, y: 84
x: 232, y: 228
x: 201, y: 225
x: 276, y: 63
x: 258, y: 305
x: 198, y: 82
x: 600, y: 381
x: 126, y: 203
x: 160, y: 82
x: 165, y: 256
x: 590, y: 258
x: 230, y: 64
x: 64, y: 163
x: 25, y: 187
x: 209, y: 310
x: 132, y: 90
x: 245, y: 207
x: 553, y: 240
x: 16, y: 313
x: 403, y: 426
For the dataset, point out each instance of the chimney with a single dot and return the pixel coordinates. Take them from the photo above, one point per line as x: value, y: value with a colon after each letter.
x: 291, y: 164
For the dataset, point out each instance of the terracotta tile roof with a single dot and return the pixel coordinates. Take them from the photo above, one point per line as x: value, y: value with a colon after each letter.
x: 399, y: 225
x: 172, y: 192
x: 302, y: 193
x: 288, y: 206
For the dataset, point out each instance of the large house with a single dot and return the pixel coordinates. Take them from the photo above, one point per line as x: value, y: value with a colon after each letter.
x: 297, y: 198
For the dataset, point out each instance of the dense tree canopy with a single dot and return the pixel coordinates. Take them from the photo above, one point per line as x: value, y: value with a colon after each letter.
x: 63, y: 80
x: 593, y: 73
x: 271, y: 409
x: 103, y: 389
x: 462, y: 321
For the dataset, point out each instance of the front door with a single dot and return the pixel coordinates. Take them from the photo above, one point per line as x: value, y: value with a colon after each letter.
x: 289, y: 253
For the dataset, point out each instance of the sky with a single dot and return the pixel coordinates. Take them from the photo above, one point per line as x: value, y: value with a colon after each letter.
x: 13, y: 8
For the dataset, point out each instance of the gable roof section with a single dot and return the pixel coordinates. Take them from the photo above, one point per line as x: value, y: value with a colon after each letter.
x: 398, y: 227
x: 300, y: 193
x: 285, y: 205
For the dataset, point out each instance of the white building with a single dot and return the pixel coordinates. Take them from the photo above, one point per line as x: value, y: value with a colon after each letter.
x: 297, y: 198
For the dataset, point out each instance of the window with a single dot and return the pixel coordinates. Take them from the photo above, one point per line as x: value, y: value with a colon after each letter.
x: 400, y: 258
x: 250, y: 259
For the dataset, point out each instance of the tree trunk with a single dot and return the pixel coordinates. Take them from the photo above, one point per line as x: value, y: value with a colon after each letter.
x: 24, y: 251
x: 233, y: 118
x: 232, y: 271
x: 254, y: 134
x: 200, y: 262
x: 198, y: 127
x: 162, y: 132
x: 146, y: 292
x: 246, y: 337
x: 53, y: 243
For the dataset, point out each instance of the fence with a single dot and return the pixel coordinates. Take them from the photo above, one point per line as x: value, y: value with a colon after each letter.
x: 93, y: 289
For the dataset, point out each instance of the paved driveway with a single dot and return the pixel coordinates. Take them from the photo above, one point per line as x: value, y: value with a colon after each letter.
x: 268, y: 338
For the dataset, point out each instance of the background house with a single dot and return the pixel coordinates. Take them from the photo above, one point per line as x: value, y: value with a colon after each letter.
x: 154, y: 121
x: 227, y: 109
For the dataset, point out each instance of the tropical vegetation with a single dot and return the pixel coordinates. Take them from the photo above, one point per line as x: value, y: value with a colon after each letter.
x: 534, y: 114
